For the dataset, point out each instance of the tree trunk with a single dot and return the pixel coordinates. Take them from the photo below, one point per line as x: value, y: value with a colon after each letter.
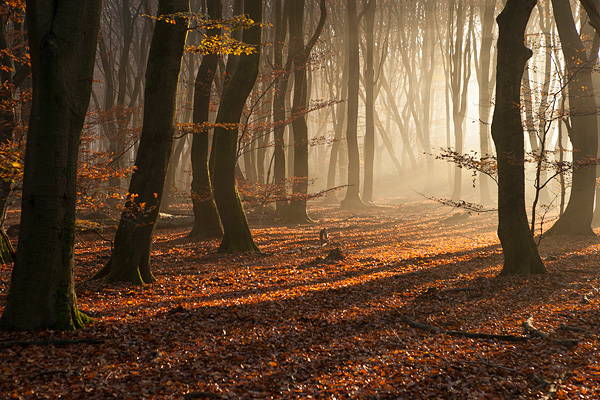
x: 237, y: 236
x: 296, y: 211
x: 369, y: 102
x: 353, y: 198
x: 279, y: 163
x: 520, y: 252
x: 7, y: 126
x: 486, y: 88
x: 206, y: 218
x: 130, y: 260
x: 577, y: 218
x: 62, y: 42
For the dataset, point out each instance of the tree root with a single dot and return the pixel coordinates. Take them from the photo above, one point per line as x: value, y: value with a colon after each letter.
x: 472, y: 335
x: 576, y: 329
x: 533, y: 331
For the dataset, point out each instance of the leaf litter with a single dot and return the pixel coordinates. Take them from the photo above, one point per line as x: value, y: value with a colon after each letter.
x: 293, y: 322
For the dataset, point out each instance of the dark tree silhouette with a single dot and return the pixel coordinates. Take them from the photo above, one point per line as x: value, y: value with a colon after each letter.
x: 237, y: 236
x: 520, y: 251
x: 62, y: 41
x: 206, y: 218
x: 130, y: 259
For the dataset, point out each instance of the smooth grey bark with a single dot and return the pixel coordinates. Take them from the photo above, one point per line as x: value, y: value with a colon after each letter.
x: 520, y: 251
x: 130, y: 259
x: 62, y: 41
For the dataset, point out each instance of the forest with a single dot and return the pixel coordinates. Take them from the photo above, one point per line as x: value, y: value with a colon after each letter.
x: 296, y: 199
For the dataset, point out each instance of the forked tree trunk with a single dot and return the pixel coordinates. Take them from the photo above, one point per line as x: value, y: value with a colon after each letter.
x: 130, y: 259
x: 237, y: 236
x: 62, y: 42
x: 206, y: 218
x: 520, y: 251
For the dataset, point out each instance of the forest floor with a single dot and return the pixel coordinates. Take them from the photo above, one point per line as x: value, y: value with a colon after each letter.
x: 290, y: 323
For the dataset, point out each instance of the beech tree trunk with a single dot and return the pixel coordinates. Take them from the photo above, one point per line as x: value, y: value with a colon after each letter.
x: 353, y: 198
x: 279, y: 162
x: 369, y: 102
x: 130, y: 260
x: 237, y: 236
x: 520, y: 251
x: 485, y: 84
x: 296, y: 211
x: 206, y: 218
x: 577, y: 218
x: 62, y: 42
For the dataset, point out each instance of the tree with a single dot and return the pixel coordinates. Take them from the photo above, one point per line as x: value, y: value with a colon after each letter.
x: 370, y: 100
x: 130, y: 259
x: 237, y: 236
x: 577, y: 218
x: 281, y: 12
x: 62, y: 41
x: 353, y: 198
x: 7, y: 126
x: 296, y: 211
x: 520, y: 251
x: 459, y: 72
x: 485, y: 84
x: 206, y: 217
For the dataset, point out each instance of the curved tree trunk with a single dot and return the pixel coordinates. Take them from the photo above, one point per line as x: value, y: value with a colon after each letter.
x: 206, y: 218
x: 62, y: 42
x: 520, y: 252
x: 577, y: 218
x: 130, y: 260
x: 237, y: 236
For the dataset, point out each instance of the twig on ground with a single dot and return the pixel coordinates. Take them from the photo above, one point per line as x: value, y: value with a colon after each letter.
x: 528, y: 326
